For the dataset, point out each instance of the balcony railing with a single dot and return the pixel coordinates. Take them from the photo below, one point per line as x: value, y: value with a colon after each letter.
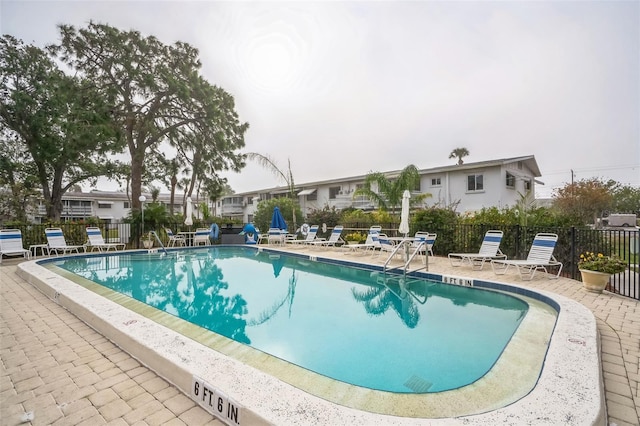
x: 70, y: 211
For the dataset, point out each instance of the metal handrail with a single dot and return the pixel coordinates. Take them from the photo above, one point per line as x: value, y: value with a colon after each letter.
x: 158, y: 240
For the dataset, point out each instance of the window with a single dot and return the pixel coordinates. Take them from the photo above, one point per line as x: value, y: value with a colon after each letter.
x: 436, y: 181
x: 127, y: 205
x: 249, y: 200
x: 511, y: 181
x: 313, y: 196
x: 527, y: 185
x: 104, y: 205
x: 474, y: 183
x: 333, y: 192
x: 416, y: 188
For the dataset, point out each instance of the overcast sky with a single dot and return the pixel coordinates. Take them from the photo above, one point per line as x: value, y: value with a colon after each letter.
x: 345, y: 88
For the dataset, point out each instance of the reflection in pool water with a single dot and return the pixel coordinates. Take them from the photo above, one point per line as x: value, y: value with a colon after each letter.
x: 354, y: 325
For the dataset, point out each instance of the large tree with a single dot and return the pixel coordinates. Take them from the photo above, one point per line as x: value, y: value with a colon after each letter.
x: 158, y: 95
x: 626, y: 199
x: 586, y: 199
x: 18, y: 178
x: 61, y: 121
x: 388, y: 190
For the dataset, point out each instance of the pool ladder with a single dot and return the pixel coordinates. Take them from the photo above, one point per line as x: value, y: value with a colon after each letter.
x: 405, y: 245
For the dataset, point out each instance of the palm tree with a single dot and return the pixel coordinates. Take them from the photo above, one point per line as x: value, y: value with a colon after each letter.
x: 459, y: 153
x: 390, y: 188
x: 287, y: 177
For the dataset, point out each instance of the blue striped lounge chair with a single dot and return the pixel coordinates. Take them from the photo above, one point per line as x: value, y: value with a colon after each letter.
x: 540, y: 258
x: 11, y: 244
x: 489, y: 250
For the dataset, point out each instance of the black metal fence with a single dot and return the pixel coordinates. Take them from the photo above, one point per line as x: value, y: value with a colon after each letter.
x: 572, y: 241
x: 516, y: 242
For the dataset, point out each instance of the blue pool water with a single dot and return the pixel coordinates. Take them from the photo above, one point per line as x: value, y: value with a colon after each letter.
x: 353, y: 325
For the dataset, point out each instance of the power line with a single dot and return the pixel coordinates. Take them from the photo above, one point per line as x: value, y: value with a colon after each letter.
x: 594, y: 169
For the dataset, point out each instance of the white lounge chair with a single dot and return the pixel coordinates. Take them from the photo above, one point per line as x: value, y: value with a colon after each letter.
x: 201, y: 237
x: 334, y: 238
x: 11, y: 244
x: 96, y: 241
x: 174, y: 239
x: 57, y: 243
x: 371, y: 243
x: 540, y: 258
x: 310, y: 237
x: 489, y: 250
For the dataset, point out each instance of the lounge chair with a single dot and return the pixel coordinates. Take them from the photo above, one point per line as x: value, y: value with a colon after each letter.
x: 540, y: 258
x: 174, y: 239
x: 201, y: 237
x: 334, y: 238
x: 371, y: 243
x: 311, y: 236
x: 96, y: 241
x: 11, y: 244
x: 489, y: 250
x: 57, y: 243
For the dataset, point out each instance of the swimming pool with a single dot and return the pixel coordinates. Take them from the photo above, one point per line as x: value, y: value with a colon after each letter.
x: 383, y: 332
x: 269, y: 390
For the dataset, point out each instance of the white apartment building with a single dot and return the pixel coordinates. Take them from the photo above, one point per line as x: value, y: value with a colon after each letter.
x: 105, y: 205
x: 469, y: 187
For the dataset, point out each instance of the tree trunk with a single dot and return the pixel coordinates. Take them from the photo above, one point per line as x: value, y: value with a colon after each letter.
x: 137, y: 163
x: 174, y: 182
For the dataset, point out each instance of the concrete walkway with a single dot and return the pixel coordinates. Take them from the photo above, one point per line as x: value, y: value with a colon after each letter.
x: 57, y: 370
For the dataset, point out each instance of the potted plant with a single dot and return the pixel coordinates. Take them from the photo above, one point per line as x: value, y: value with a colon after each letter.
x: 596, y: 270
x: 355, y: 237
x: 147, y: 241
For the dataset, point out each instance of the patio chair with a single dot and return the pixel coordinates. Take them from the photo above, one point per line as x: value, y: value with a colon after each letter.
x: 276, y: 236
x: 11, y: 244
x: 427, y: 238
x: 311, y: 236
x: 334, y: 238
x: 201, y: 237
x: 96, y: 241
x: 174, y: 239
x: 371, y: 243
x: 490, y: 249
x: 57, y: 244
x: 387, y: 246
x: 540, y: 258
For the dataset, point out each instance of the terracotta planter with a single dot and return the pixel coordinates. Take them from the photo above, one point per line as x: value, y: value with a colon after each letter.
x: 594, y: 281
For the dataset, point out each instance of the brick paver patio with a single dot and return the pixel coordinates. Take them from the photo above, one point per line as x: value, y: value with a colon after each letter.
x: 54, y: 369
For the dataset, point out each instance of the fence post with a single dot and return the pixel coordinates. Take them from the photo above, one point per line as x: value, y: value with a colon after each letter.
x: 573, y: 253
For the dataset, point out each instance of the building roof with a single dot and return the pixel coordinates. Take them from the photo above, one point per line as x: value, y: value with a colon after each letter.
x: 529, y: 161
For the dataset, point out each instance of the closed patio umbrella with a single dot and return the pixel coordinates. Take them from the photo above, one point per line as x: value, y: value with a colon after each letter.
x: 188, y: 216
x: 404, y: 215
x: 277, y: 221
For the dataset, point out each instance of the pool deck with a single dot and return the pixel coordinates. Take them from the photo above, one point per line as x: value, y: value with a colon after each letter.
x: 58, y: 370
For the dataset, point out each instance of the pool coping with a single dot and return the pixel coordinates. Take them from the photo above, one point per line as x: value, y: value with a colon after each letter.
x: 567, y: 391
